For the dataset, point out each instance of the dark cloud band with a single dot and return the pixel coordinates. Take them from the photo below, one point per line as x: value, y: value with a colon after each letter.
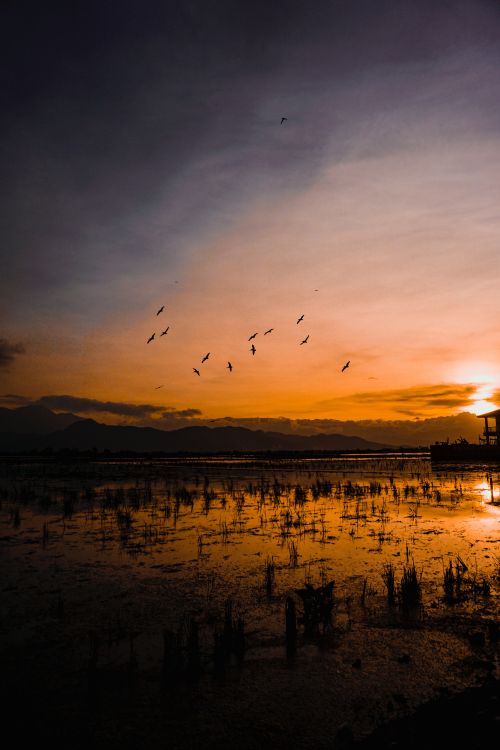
x: 82, y: 405
x: 9, y: 351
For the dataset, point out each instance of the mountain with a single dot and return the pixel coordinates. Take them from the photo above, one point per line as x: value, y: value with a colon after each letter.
x: 408, y: 432
x: 88, y: 435
x: 37, y: 420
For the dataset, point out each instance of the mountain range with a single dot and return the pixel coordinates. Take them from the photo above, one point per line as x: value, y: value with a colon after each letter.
x: 37, y: 428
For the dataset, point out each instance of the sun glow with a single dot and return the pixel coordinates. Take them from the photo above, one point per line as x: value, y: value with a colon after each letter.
x: 482, y: 407
x: 481, y: 403
x: 485, y: 380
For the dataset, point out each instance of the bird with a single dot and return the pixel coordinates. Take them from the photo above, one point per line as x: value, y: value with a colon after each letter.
x: 269, y: 330
x: 157, y: 388
x: 164, y: 333
x: 253, y: 336
x: 197, y: 372
x: 284, y: 119
x: 161, y: 309
x: 229, y: 366
x: 253, y: 349
x: 205, y: 358
x: 301, y: 318
x: 346, y: 365
x: 150, y: 338
x: 305, y: 340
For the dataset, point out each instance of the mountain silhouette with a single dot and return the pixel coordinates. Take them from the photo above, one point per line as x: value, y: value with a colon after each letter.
x: 34, y: 419
x: 87, y: 435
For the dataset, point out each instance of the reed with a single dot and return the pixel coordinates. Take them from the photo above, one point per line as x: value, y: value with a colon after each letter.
x: 390, y: 582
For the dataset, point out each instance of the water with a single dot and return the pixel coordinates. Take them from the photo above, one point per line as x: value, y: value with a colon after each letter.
x: 122, y: 550
x: 214, y: 522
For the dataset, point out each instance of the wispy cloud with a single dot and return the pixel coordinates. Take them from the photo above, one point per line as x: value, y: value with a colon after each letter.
x: 414, y: 400
x: 8, y: 352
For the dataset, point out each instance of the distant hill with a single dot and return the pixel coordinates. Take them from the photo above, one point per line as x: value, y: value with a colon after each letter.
x: 37, y: 420
x: 88, y: 435
x: 407, y: 432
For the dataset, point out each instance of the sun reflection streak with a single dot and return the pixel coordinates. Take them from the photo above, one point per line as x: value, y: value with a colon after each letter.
x: 486, y: 491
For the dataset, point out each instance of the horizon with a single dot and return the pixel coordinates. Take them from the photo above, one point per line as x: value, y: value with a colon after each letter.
x: 390, y: 433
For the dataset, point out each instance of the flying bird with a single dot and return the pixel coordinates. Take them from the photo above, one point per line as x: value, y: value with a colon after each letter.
x: 253, y: 336
x: 269, y: 330
x: 157, y: 388
x: 150, y: 338
x: 164, y: 333
x: 300, y: 319
x: 284, y: 119
x: 305, y: 340
x: 229, y: 366
x: 161, y: 309
x: 197, y: 372
x: 253, y: 349
x: 346, y: 365
x: 205, y: 358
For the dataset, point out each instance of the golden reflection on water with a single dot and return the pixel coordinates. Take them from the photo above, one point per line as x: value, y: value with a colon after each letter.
x: 486, y: 490
x: 342, y: 518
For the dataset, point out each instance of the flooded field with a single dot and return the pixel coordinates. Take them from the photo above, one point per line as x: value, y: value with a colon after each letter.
x: 264, y: 602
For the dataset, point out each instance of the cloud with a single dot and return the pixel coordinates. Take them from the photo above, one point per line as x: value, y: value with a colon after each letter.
x: 495, y: 398
x: 413, y: 400
x: 8, y: 352
x: 183, y: 413
x: 14, y: 400
x: 82, y: 405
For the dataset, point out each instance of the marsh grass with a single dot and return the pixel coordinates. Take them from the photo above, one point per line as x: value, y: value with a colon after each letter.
x: 293, y: 553
x: 269, y: 576
x: 389, y: 580
x: 410, y: 588
x: 318, y: 604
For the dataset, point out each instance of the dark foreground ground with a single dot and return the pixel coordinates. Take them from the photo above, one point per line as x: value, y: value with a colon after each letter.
x: 469, y: 720
x: 75, y: 700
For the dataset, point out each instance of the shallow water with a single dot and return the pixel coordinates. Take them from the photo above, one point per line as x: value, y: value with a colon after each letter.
x: 124, y: 549
x: 216, y: 523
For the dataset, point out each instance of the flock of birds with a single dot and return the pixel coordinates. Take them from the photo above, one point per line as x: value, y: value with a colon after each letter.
x: 252, y: 349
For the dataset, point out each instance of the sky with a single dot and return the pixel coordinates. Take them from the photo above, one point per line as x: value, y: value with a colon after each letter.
x: 146, y: 165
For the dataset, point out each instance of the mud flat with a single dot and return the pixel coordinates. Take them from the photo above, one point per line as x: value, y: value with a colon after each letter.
x: 144, y: 603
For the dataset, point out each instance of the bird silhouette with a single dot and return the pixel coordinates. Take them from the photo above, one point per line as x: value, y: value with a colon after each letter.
x: 299, y: 320
x: 197, y: 372
x: 164, y: 333
x: 253, y: 336
x: 346, y: 365
x: 305, y: 340
x: 269, y: 330
x: 161, y: 309
x: 253, y: 349
x: 229, y: 366
x: 150, y: 338
x: 283, y: 119
x: 158, y: 387
x: 205, y: 358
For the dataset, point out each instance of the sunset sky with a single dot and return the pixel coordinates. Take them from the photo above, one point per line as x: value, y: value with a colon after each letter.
x: 145, y: 165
